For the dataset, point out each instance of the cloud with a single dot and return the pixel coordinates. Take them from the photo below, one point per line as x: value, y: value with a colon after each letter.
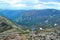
x: 19, y: 5
x: 33, y: 1
x: 12, y: 4
x: 44, y: 5
x: 38, y: 6
x: 28, y: 4
x: 10, y: 1
x: 50, y: 3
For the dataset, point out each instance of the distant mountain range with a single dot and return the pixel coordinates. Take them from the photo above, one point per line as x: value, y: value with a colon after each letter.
x: 39, y: 18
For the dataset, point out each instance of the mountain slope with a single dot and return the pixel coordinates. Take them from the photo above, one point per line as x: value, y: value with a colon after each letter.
x: 42, y: 18
x: 5, y: 23
x: 45, y: 18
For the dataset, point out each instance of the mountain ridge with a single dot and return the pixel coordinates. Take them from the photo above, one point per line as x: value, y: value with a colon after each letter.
x: 33, y: 17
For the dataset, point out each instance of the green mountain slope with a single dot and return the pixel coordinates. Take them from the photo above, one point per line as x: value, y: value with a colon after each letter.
x: 8, y: 27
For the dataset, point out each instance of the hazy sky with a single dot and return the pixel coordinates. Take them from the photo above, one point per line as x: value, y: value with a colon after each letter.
x: 29, y: 4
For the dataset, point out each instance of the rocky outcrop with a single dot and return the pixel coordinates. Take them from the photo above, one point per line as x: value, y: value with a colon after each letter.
x: 15, y: 37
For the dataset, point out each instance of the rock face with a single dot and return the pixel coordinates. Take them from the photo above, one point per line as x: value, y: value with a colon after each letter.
x: 15, y: 37
x: 18, y: 36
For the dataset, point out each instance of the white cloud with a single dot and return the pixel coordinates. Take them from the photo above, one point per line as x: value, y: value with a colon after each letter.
x: 19, y: 5
x: 13, y: 3
x: 33, y: 1
x: 38, y: 6
x: 50, y: 3
x: 33, y: 4
x: 44, y: 5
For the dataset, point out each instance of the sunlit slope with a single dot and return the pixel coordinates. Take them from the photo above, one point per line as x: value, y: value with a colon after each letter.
x: 5, y: 31
x: 8, y: 22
